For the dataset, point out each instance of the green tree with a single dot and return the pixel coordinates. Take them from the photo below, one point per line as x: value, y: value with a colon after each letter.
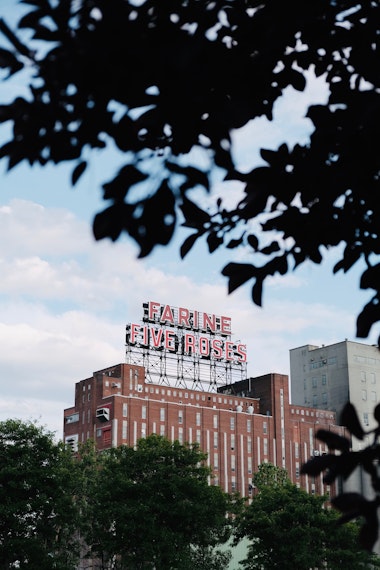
x: 152, y: 507
x: 168, y: 83
x: 269, y: 475
x: 288, y: 528
x: 38, y: 513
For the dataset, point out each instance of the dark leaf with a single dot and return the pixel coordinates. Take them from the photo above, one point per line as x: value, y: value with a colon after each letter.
x: 253, y: 241
x: 157, y: 221
x: 350, y: 502
x: 214, y: 241
x: 257, y: 291
x: 369, y: 315
x: 78, y: 171
x: 272, y: 248
x: 376, y: 413
x: 9, y: 60
x: 110, y: 222
x: 118, y: 188
x: 370, y: 279
x: 317, y: 465
x: 238, y: 273
x: 350, y: 257
x: 349, y: 418
x: 188, y: 244
x: 195, y: 217
x: 333, y: 440
x: 297, y: 80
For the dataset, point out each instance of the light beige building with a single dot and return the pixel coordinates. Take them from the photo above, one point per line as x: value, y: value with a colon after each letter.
x: 327, y: 377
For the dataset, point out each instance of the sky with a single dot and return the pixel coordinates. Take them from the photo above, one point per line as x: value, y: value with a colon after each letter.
x: 65, y: 299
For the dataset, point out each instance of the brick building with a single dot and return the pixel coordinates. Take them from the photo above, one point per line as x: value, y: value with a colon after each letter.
x: 239, y: 425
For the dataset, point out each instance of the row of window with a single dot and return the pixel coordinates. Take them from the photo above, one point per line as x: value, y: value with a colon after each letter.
x: 198, y: 418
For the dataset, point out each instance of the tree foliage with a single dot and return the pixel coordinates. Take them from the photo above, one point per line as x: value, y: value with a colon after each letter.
x: 144, y: 507
x: 152, y: 507
x: 38, y: 514
x: 269, y: 475
x: 289, y: 528
x: 167, y: 83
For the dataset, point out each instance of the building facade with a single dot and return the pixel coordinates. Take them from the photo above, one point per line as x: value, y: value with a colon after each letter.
x: 239, y: 425
x: 327, y: 377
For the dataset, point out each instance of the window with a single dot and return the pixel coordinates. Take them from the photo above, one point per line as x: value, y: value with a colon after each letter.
x: 125, y: 429
x: 143, y: 412
x: 125, y: 410
x: 215, y: 440
x: 107, y: 436
x: 162, y: 414
x: 373, y: 396
x: 249, y: 444
x: 233, y: 462
x: 364, y: 394
x: 215, y: 422
x: 232, y: 423
x: 180, y: 435
x: 324, y: 398
x: 297, y: 470
x: 143, y: 430
x: 73, y: 418
x: 249, y: 426
x: 198, y: 418
x: 162, y: 429
x: 265, y: 442
x: 363, y: 376
x: 315, y: 400
x: 249, y: 463
x: 265, y: 427
x: 216, y: 461
x: 198, y: 437
x: 373, y: 377
x: 296, y: 450
x: 324, y: 379
x: 314, y: 382
x: 180, y: 416
x: 365, y: 419
x: 232, y: 441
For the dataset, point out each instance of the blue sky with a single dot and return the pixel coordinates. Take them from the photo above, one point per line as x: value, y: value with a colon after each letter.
x: 65, y: 299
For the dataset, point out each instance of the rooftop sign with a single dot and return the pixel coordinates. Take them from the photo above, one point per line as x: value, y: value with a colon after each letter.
x: 185, y: 331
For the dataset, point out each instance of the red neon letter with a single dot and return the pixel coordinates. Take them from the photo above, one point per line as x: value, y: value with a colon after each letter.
x: 156, y: 336
x: 169, y: 340
x: 209, y: 322
x: 189, y: 343
x: 225, y: 325
x: 167, y: 315
x: 204, y: 346
x: 153, y: 309
x: 229, y: 350
x: 217, y: 347
x: 242, y: 352
x: 135, y: 330
x: 183, y: 317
